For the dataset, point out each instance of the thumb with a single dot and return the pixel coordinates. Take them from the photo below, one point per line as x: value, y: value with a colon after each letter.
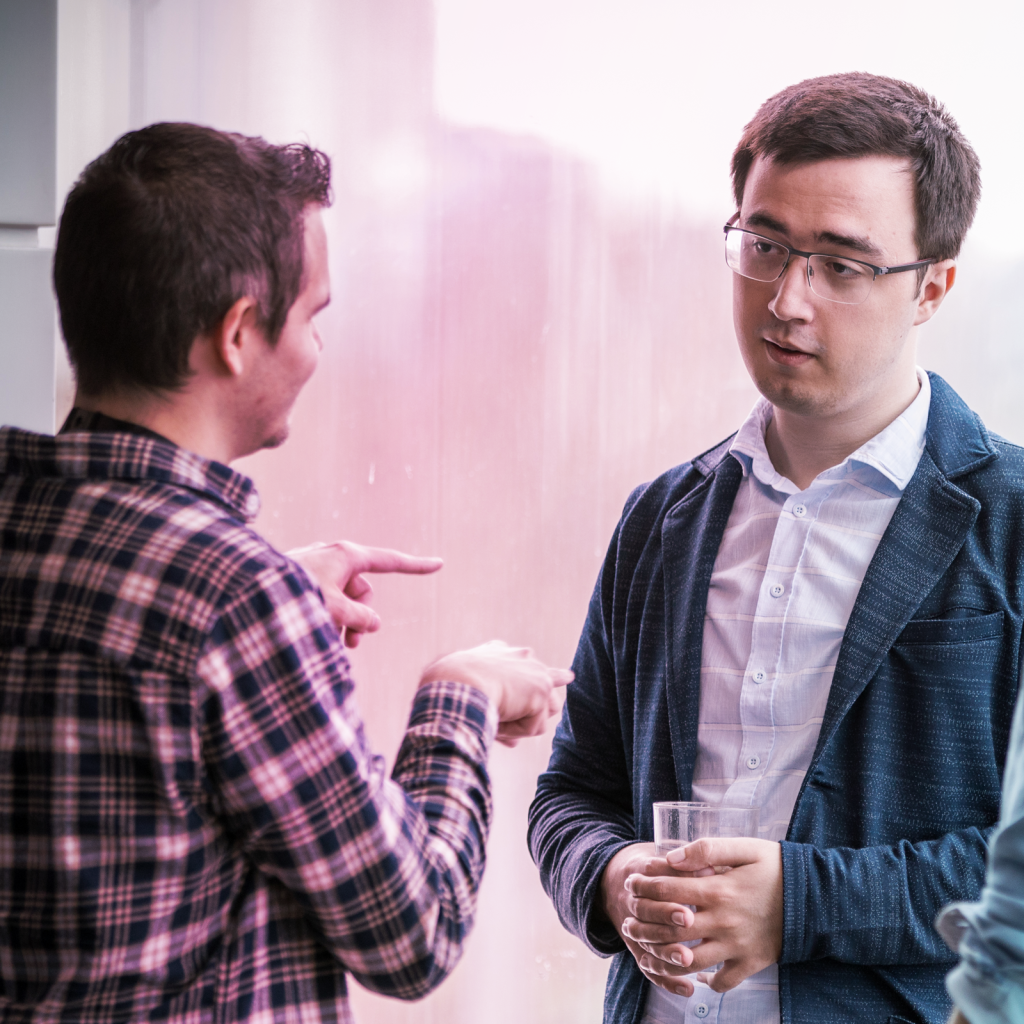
x: 726, y: 977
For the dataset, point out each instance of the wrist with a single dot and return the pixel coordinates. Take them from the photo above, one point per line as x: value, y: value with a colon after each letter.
x: 613, y: 885
x: 453, y: 669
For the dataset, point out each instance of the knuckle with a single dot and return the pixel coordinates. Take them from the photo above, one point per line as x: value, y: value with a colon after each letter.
x: 658, y: 890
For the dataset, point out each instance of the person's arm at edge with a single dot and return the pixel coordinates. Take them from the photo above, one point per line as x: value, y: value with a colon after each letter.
x: 988, y: 984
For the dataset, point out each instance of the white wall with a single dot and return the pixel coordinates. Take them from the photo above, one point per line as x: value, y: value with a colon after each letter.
x: 28, y: 132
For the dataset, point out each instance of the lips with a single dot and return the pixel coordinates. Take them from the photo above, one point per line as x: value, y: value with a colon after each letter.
x: 785, y: 354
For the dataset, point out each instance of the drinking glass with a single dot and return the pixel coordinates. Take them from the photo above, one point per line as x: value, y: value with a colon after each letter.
x: 678, y: 822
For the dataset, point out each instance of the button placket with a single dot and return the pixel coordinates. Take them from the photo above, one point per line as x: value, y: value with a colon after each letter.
x: 766, y: 642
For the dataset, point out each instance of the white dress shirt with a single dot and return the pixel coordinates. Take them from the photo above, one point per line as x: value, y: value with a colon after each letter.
x: 787, y: 575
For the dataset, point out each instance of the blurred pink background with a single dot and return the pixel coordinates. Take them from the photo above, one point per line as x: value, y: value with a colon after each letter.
x: 509, y: 352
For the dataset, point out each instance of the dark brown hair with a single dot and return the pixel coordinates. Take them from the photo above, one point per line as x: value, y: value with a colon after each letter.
x: 163, y: 233
x: 858, y: 114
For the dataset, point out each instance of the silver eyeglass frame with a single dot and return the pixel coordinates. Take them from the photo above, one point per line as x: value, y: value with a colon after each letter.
x: 791, y: 252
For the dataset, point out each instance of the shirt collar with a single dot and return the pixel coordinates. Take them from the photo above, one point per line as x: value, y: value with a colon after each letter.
x: 893, y: 452
x: 93, y: 446
x: 99, y: 422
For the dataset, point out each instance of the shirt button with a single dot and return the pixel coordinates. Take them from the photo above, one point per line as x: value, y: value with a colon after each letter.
x: 701, y: 1009
x: 753, y: 761
x: 759, y: 676
x: 799, y: 510
x: 778, y: 590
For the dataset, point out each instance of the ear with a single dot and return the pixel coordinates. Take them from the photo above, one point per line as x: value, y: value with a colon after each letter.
x: 228, y: 337
x: 937, y: 282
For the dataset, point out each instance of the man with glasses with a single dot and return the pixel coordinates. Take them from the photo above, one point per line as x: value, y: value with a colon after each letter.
x: 820, y: 617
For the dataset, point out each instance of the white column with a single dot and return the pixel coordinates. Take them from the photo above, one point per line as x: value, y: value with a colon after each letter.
x: 28, y: 140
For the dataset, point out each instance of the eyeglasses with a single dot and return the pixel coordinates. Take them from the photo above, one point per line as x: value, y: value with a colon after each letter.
x: 836, y: 278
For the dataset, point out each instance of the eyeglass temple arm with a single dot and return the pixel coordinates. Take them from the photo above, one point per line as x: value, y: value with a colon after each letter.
x: 904, y: 266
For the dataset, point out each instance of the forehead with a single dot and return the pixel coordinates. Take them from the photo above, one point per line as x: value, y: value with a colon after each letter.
x: 869, y: 197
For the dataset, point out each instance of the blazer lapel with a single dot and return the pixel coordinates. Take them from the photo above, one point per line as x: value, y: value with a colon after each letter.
x: 928, y: 528
x: 690, y: 537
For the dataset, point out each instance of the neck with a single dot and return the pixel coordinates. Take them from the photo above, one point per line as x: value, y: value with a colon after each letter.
x: 802, y: 446
x: 179, y: 416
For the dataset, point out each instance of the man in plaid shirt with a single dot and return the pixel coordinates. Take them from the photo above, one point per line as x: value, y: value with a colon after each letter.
x: 192, y: 825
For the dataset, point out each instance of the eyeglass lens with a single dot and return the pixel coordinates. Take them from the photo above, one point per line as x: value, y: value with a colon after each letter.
x: 830, y: 277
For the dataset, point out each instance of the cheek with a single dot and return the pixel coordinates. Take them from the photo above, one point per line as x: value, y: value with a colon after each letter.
x: 881, y: 329
x: 312, y: 355
x: 743, y: 309
x: 306, y: 357
x: 750, y: 315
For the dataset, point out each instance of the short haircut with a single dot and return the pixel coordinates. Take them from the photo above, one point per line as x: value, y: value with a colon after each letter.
x: 163, y: 233
x: 857, y: 114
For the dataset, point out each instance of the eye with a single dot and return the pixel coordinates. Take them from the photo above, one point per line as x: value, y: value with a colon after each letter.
x: 762, y: 248
x: 842, y: 269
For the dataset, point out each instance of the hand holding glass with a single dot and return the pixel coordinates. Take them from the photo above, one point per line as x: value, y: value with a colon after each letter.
x: 679, y: 822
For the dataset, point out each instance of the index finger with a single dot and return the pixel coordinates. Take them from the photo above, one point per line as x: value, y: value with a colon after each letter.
x: 389, y: 560
x: 715, y: 852
x: 668, y: 889
x: 561, y: 676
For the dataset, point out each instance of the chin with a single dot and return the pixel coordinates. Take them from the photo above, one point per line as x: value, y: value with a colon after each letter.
x: 795, y: 397
x: 276, y: 439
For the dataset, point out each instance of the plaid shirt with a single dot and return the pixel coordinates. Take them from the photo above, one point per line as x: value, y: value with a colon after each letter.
x: 192, y: 826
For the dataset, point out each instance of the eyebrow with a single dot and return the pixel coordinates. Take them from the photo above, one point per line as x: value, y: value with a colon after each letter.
x: 855, y: 243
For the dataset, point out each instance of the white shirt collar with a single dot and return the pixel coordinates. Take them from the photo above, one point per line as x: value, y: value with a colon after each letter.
x: 893, y: 452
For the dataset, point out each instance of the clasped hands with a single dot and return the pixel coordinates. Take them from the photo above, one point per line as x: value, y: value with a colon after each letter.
x: 735, y: 886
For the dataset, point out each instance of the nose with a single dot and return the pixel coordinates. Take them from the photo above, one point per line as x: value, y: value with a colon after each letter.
x: 793, y: 296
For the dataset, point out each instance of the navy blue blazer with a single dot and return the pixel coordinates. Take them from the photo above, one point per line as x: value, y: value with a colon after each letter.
x: 903, y: 788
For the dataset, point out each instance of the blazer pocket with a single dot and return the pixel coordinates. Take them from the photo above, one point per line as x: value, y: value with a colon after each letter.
x: 935, y: 632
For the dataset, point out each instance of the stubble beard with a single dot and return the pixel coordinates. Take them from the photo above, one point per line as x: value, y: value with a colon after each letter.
x: 277, y: 439
x: 798, y: 398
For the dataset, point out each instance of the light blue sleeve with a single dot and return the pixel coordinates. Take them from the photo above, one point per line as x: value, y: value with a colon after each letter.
x: 988, y: 985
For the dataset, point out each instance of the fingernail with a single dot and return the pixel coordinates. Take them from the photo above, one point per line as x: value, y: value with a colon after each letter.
x: 676, y: 856
x: 677, y: 958
x: 679, y: 918
x: 680, y: 991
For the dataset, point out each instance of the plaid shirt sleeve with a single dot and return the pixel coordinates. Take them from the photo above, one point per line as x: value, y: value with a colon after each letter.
x: 385, y: 871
